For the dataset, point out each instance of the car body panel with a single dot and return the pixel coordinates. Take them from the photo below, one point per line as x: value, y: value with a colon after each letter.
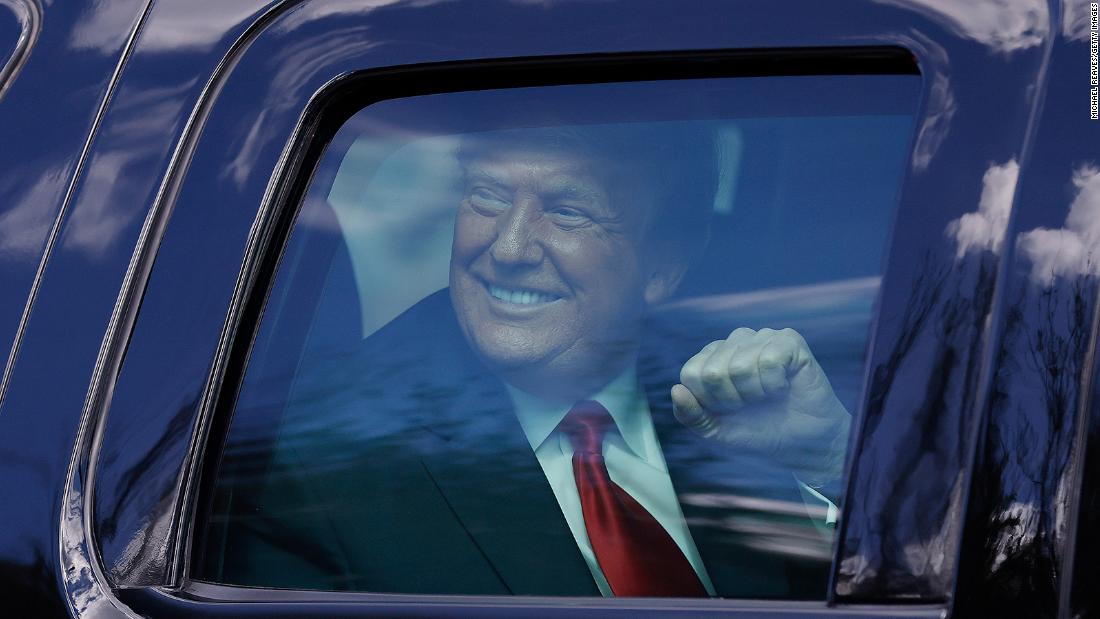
x: 150, y: 259
x: 1019, y: 533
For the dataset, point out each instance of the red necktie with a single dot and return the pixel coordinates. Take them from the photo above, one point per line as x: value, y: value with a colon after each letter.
x: 636, y: 554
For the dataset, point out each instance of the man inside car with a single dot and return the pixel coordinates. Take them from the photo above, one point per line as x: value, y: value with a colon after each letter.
x: 518, y: 432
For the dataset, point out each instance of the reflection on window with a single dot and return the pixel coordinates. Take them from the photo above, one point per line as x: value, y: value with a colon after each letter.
x: 10, y: 31
x: 579, y: 340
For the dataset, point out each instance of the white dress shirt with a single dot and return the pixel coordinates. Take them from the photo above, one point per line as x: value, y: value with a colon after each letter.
x: 634, y: 461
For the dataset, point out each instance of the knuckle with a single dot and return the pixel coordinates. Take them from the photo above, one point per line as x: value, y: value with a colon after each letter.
x: 793, y: 335
x: 712, y: 375
x: 687, y: 374
x: 740, y: 369
x: 740, y: 332
x: 770, y: 362
x: 700, y: 357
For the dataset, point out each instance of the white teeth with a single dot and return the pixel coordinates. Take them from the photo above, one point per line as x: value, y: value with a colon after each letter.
x: 520, y: 297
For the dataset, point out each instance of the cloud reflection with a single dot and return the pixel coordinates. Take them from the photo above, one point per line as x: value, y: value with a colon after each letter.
x: 1005, y: 26
x: 1075, y: 20
x: 809, y: 297
x: 23, y: 227
x: 105, y: 27
x: 319, y: 10
x: 755, y: 503
x: 941, y: 105
x: 985, y: 229
x: 394, y: 204
x: 194, y: 24
x: 1068, y: 251
x: 98, y: 221
x: 115, y: 190
x: 294, y: 67
x: 933, y: 131
x: 763, y: 524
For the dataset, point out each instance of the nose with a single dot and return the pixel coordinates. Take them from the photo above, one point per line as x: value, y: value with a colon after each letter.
x: 517, y: 242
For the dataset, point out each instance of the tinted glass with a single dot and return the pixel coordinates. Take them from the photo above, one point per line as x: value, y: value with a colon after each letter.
x: 578, y: 340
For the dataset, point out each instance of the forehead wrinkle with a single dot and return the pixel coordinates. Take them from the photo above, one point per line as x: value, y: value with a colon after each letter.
x: 554, y: 177
x: 477, y: 171
x: 576, y: 187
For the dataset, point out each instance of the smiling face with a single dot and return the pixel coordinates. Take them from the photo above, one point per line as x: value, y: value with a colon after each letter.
x: 549, y: 277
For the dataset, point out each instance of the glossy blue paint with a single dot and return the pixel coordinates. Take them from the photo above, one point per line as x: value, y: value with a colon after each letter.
x: 1020, y: 538
x: 306, y: 47
x: 50, y: 97
x: 51, y: 86
x: 941, y: 312
x: 200, y: 119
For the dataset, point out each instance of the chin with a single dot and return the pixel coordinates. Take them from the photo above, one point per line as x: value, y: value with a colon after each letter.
x: 508, y: 348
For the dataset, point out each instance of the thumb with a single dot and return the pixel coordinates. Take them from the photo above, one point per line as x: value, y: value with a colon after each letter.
x: 689, y: 412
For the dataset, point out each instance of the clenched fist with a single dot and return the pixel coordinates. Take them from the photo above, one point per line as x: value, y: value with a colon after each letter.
x: 764, y: 392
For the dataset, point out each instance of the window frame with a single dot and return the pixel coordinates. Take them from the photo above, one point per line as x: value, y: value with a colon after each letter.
x: 324, y: 116
x: 99, y: 400
x: 326, y: 112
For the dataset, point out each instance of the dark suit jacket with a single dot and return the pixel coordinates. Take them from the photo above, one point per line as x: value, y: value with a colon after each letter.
x: 401, y: 467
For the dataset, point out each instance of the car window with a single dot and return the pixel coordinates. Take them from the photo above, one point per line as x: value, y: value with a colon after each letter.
x: 601, y: 339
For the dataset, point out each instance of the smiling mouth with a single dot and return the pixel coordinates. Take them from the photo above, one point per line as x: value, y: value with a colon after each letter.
x: 517, y: 296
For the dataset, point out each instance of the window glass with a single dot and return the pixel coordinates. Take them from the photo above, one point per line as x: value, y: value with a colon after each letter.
x: 577, y: 340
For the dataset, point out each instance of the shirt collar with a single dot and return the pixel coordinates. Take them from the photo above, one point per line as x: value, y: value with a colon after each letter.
x: 621, y: 397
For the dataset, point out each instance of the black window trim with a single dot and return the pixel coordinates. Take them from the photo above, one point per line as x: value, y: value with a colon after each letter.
x: 203, y: 595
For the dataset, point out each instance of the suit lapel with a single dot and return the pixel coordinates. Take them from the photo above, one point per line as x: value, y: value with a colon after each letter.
x: 474, y: 451
x: 490, y: 477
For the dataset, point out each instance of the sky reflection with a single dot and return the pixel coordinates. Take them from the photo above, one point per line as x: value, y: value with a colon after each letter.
x: 1004, y: 26
x: 1068, y: 251
x: 985, y: 229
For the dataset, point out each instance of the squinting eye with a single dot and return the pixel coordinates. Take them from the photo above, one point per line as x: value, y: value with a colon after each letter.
x: 568, y: 214
x: 483, y: 199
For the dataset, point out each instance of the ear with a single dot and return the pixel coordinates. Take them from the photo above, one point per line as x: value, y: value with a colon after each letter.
x: 664, y: 279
